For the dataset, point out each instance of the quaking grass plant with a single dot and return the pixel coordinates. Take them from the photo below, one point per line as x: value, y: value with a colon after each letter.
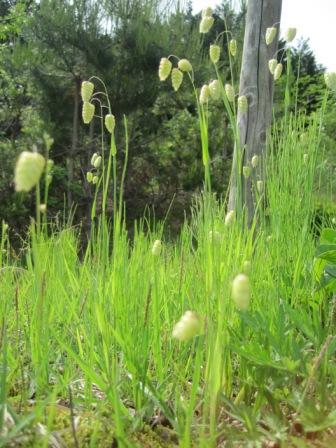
x: 216, y: 339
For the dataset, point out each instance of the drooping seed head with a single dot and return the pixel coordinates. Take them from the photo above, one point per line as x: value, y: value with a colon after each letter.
x: 272, y: 63
x: 95, y: 179
x: 260, y: 186
x: 246, y: 171
x: 242, y: 104
x: 50, y: 165
x: 233, y: 47
x: 184, y: 65
x: 177, y: 78
x: 229, y: 218
x: 255, y: 161
x: 278, y: 71
x: 189, y: 326
x: 290, y: 34
x: 206, y: 24
x: 214, y: 53
x: 271, y: 32
x: 93, y: 158
x: 110, y: 123
x: 241, y: 291
x: 215, y: 89
x: 49, y: 179
x: 230, y: 93
x: 330, y: 80
x: 87, y: 91
x: 97, y: 162
x: 88, y: 111
x: 165, y: 67
x: 28, y: 170
x: 204, y: 94
x: 43, y: 208
x: 157, y: 248
x: 89, y: 176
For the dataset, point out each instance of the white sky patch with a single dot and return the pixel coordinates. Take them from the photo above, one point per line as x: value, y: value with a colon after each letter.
x: 314, y: 19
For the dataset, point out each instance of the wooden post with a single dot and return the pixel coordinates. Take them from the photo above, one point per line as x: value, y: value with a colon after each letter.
x: 256, y: 83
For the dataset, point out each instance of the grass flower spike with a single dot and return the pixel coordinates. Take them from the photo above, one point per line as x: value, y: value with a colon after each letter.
x: 187, y: 327
x: 270, y: 35
x: 229, y: 90
x: 278, y: 71
x: 110, y: 123
x: 214, y: 53
x: 215, y: 89
x: 93, y: 158
x: 88, y: 112
x: 28, y: 170
x: 241, y: 291
x: 233, y: 47
x: 157, y: 248
x: 165, y: 67
x: 206, y: 24
x: 260, y: 186
x: 87, y: 90
x: 177, y: 78
x: 184, y: 65
x: 290, y: 34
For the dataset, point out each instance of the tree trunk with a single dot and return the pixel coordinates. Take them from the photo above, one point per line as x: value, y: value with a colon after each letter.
x: 256, y: 83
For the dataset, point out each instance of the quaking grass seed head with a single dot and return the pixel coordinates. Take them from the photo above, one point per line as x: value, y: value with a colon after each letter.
x: 229, y: 218
x: 93, y: 158
x: 246, y: 171
x: 97, y: 162
x: 272, y: 63
x: 184, y: 65
x: 271, y: 32
x: 206, y: 24
x: 241, y: 291
x: 87, y: 88
x: 110, y: 123
x: 28, y: 170
x: 255, y: 161
x: 157, y: 248
x: 165, y: 68
x: 176, y: 78
x: 230, y: 93
x: 242, y: 104
x: 89, y: 177
x: 215, y: 89
x: 290, y: 34
x: 214, y: 53
x: 278, y: 71
x: 95, y: 180
x: 260, y: 186
x: 189, y: 326
x: 233, y: 47
x: 88, y: 111
x: 204, y: 94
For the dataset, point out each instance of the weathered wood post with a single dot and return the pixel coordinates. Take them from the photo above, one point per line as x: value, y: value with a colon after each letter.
x: 256, y: 83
